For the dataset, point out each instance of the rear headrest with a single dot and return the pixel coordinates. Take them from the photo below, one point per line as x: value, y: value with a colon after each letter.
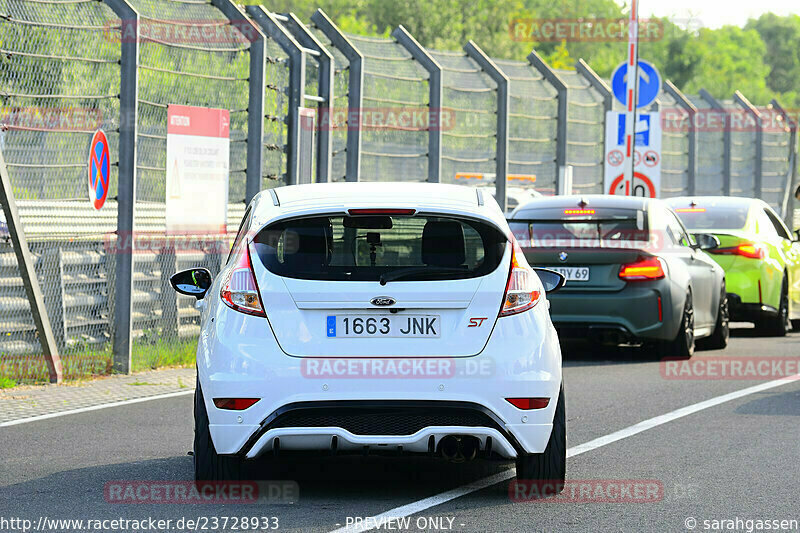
x: 443, y: 243
x: 307, y: 245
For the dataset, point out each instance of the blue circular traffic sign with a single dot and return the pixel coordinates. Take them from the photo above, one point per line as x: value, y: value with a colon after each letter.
x: 649, y: 84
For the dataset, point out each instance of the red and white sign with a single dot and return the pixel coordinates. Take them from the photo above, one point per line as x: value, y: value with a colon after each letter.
x: 198, y: 155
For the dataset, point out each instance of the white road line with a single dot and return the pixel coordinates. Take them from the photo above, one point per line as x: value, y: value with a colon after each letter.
x: 95, y: 408
x: 438, y: 499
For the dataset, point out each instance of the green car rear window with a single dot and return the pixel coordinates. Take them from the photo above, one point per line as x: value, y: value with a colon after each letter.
x: 698, y: 218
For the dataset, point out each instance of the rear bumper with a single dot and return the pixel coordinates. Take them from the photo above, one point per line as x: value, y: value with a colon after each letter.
x: 238, y: 357
x: 617, y: 317
x: 747, y: 312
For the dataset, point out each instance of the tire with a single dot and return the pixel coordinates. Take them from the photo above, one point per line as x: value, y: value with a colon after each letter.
x: 682, y: 346
x: 549, y: 467
x: 719, y: 338
x: 208, y: 464
x: 777, y: 325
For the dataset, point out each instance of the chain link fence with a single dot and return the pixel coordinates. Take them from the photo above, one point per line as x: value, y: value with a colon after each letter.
x: 60, y: 72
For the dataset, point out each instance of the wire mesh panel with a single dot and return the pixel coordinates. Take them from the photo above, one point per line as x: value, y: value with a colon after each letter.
x: 532, y: 124
x: 585, y: 133
x: 59, y: 82
x: 340, y: 103
x: 776, y: 155
x: 710, y: 149
x: 276, y: 109
x: 469, y: 122
x: 674, y: 147
x: 394, y: 115
x: 190, y: 54
x: 743, y: 151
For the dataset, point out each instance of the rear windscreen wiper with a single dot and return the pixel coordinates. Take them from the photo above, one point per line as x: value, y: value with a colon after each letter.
x: 425, y: 271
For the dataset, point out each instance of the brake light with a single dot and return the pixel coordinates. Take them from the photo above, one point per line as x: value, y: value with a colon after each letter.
x: 644, y: 269
x: 523, y: 291
x: 746, y: 249
x: 235, y: 404
x: 690, y: 210
x: 389, y: 212
x: 240, y: 290
x: 527, y: 404
x: 579, y: 211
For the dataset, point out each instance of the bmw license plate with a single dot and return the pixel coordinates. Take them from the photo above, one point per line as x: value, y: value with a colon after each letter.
x: 371, y: 326
x: 573, y: 273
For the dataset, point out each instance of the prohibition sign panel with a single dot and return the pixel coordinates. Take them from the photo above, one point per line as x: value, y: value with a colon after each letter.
x: 99, y: 169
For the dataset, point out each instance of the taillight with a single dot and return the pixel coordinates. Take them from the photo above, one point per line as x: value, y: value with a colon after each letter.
x: 240, y: 291
x: 523, y: 290
x: 746, y: 249
x: 644, y: 269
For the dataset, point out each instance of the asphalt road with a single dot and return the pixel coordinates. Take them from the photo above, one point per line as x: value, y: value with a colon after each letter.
x: 736, y: 460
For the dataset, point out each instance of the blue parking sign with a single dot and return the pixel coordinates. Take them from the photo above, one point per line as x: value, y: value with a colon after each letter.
x: 642, y: 133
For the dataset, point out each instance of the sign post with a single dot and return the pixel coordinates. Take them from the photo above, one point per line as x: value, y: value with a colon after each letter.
x: 633, y: 139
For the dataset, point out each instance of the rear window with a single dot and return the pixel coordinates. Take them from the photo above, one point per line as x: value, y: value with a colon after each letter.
x: 582, y: 231
x: 369, y: 248
x: 696, y: 218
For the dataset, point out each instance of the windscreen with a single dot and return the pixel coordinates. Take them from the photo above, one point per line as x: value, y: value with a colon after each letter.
x: 378, y: 248
x: 586, y: 231
x: 699, y: 218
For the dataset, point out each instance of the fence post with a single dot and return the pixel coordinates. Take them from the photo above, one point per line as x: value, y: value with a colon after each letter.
x: 28, y: 274
x: 126, y: 189
x: 503, y: 106
x: 255, y: 99
x: 745, y: 104
x: 325, y: 92
x: 297, y: 84
x: 355, y: 88
x: 727, y: 153
x: 791, y: 177
x: 407, y: 41
x: 670, y: 88
x: 561, y: 130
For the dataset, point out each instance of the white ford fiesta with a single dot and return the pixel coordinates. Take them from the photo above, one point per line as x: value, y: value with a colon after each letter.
x: 376, y: 318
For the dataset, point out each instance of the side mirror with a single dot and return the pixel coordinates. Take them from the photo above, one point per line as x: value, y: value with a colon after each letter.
x: 706, y: 241
x: 551, y: 280
x: 797, y: 192
x: 193, y: 282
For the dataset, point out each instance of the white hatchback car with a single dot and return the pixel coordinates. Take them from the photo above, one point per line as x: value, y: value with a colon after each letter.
x: 375, y: 318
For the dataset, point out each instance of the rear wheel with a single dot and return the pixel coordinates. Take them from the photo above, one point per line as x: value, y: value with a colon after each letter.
x: 777, y: 325
x: 208, y: 464
x: 682, y: 346
x: 719, y: 338
x: 549, y: 467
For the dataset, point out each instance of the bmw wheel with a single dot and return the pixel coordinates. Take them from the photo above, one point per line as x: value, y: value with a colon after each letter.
x: 682, y: 346
x: 719, y: 338
x: 777, y: 325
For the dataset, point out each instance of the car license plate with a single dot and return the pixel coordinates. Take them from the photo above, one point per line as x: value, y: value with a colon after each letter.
x: 573, y: 273
x: 371, y: 326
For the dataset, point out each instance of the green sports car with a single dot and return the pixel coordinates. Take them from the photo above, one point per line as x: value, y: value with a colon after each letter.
x: 761, y: 258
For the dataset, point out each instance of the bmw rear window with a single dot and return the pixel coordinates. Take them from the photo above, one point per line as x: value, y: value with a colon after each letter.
x: 595, y: 227
x: 700, y: 218
x: 369, y: 248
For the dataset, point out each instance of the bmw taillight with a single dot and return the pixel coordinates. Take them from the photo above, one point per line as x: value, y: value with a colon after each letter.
x: 746, y: 249
x: 523, y: 290
x: 649, y: 268
x: 240, y: 290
